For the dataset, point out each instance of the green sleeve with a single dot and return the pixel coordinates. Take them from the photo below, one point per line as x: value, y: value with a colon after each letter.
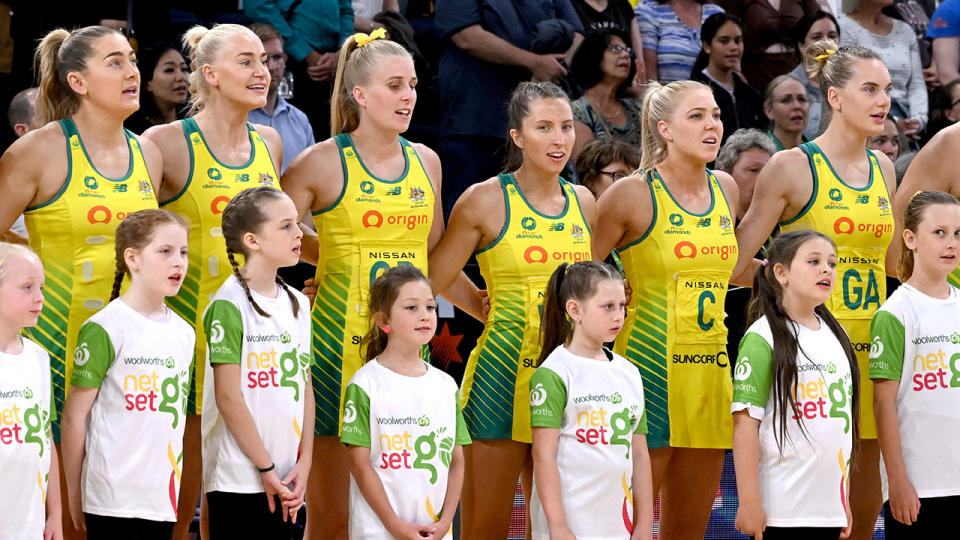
x: 642, y: 424
x: 224, y: 328
x: 887, y: 341
x: 92, y: 357
x: 356, y: 417
x: 752, y: 377
x: 463, y: 436
x: 548, y: 397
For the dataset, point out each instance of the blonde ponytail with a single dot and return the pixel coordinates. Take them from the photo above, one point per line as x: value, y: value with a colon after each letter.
x: 658, y: 103
x: 354, y: 66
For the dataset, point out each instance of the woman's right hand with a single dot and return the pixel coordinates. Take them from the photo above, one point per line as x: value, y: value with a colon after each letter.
x: 404, y: 530
x: 751, y: 520
x: 272, y: 485
x: 904, y: 502
x: 76, y: 512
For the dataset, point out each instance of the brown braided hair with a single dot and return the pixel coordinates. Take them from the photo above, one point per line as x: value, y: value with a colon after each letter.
x: 136, y: 231
x: 244, y: 214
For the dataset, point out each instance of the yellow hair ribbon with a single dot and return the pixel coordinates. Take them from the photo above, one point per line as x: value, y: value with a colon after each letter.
x: 915, y: 194
x: 825, y: 55
x: 362, y: 39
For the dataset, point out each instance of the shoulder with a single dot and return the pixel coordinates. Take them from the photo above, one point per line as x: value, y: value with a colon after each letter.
x: 168, y: 138
x: 38, y: 143
x: 35, y: 350
x: 365, y: 375
x: 724, y: 179
x: 902, y: 29
x: 322, y: 157
x: 441, y: 378
x: 480, y: 196
x: 584, y: 195
x: 270, y: 135
x: 710, y: 9
x: 427, y: 155
x: 899, y: 304
x: 761, y: 328
x: 793, y: 160
x: 556, y: 362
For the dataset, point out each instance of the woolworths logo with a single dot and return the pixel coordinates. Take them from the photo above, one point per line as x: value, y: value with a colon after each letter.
x: 349, y: 412
x: 27, y: 393
x: 81, y: 354
x: 216, y: 332
x: 615, y: 398
x: 285, y: 337
x: 169, y: 362
x: 423, y: 421
x: 538, y: 395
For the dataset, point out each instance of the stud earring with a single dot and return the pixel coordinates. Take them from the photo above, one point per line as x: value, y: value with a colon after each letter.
x: 386, y: 329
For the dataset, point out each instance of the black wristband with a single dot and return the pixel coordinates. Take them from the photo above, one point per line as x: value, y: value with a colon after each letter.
x: 268, y: 469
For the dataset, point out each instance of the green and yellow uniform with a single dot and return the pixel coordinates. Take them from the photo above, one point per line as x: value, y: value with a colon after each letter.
x: 516, y: 267
x: 209, y: 188
x: 374, y: 225
x: 674, y: 331
x: 73, y: 234
x: 860, y: 222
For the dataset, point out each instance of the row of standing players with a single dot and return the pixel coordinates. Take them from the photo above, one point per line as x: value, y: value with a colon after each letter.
x: 673, y: 229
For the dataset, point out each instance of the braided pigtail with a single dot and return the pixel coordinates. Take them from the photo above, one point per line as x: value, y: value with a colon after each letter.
x: 118, y: 280
x: 243, y: 283
x: 293, y: 298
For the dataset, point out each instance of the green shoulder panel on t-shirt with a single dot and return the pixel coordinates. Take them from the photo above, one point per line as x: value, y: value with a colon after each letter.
x: 92, y: 357
x: 463, y: 436
x: 356, y: 417
x: 887, y: 341
x: 224, y: 328
x: 642, y: 424
x: 548, y: 397
x: 752, y: 377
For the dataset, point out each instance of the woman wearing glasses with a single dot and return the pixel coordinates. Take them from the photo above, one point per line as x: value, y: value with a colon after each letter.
x: 603, y: 66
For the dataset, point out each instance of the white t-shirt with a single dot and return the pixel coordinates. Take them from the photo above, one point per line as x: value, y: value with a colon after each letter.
x: 807, y: 486
x: 134, y: 450
x: 916, y: 340
x: 598, y: 407
x: 410, y: 425
x: 275, y: 358
x: 24, y: 442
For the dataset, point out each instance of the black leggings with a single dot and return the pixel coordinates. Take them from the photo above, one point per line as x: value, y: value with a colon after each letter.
x: 801, y: 533
x: 239, y: 516
x: 110, y: 528
x: 937, y: 514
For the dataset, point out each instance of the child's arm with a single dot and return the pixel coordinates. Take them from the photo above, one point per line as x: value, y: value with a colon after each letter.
x: 642, y: 490
x: 547, y: 477
x: 452, y: 497
x: 237, y: 417
x: 296, y: 479
x: 904, y: 503
x: 73, y: 434
x: 53, y: 529
x: 373, y: 492
x: 746, y: 457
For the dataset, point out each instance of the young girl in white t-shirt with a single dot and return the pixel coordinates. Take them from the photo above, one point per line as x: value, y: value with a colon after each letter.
x: 255, y: 459
x: 402, y: 419
x: 124, y: 416
x: 795, y: 398
x: 914, y: 355
x: 591, y: 468
x: 29, y: 481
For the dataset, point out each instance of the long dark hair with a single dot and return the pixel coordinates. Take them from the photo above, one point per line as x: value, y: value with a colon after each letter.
x: 577, y: 281
x: 585, y: 66
x: 383, y: 293
x: 709, y: 31
x: 912, y: 217
x: 147, y: 59
x: 767, y: 300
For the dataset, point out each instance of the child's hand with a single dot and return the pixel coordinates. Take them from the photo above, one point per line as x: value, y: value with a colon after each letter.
x: 751, y: 520
x: 76, y: 512
x: 296, y: 482
x: 845, y: 533
x: 641, y: 533
x: 904, y: 503
x: 562, y: 533
x: 404, y: 530
x: 273, y: 486
x: 53, y: 529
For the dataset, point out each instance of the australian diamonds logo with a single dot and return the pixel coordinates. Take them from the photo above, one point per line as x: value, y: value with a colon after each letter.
x: 724, y: 222
x: 576, y: 231
x: 883, y: 203
x: 266, y: 179
x: 417, y: 194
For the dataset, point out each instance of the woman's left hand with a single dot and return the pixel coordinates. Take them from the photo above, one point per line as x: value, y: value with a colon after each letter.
x: 910, y: 127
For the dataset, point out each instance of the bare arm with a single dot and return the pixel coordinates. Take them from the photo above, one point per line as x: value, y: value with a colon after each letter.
x: 73, y: 436
x: 20, y: 177
x: 154, y: 160
x: 746, y: 458
x: 487, y: 46
x: 547, y: 477
x: 300, y: 182
x: 624, y: 213
x: 452, y: 497
x: 637, y: 43
x: 54, y: 526
x: 175, y: 165
x: 946, y: 55
x: 274, y: 144
x: 296, y: 479
x: 464, y: 234
x: 642, y: 490
x: 650, y: 63
x: 890, y: 181
x: 372, y: 489
x: 904, y: 503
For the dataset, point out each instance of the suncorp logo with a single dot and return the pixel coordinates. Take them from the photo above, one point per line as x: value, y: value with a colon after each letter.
x: 845, y: 225
x: 373, y: 218
x: 689, y: 250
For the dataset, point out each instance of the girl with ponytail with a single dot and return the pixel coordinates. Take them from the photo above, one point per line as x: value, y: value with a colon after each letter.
x: 118, y: 437
x: 395, y: 382
x: 835, y: 185
x: 374, y: 198
x: 74, y: 179
x: 256, y: 458
x: 588, y: 415
x: 672, y: 227
x: 796, y: 398
x: 913, y: 354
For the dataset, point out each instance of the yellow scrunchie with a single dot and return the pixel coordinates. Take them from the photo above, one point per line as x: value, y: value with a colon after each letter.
x: 826, y: 55
x: 362, y: 39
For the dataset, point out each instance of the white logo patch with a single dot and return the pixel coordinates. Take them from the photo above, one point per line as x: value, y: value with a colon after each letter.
x: 538, y: 395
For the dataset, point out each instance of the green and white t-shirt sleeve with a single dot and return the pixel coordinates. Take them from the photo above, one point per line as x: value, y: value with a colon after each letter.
x: 356, y: 417
x: 224, y: 328
x: 92, y: 357
x: 642, y: 424
x: 548, y: 397
x: 887, y: 339
x: 753, y: 375
x: 463, y: 436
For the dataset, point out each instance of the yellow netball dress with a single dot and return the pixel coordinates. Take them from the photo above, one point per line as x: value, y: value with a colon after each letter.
x: 674, y: 331
x: 209, y: 188
x: 516, y: 267
x: 376, y: 224
x: 860, y: 222
x: 73, y: 233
